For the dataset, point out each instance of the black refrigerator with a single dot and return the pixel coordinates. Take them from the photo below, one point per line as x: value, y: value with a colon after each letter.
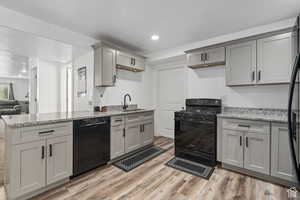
x: 294, y: 102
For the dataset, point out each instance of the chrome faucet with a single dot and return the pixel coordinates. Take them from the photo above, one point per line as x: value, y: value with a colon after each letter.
x: 125, y: 106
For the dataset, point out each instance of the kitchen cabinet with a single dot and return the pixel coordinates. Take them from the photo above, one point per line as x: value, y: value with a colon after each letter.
x: 281, y: 161
x: 130, y: 62
x: 38, y: 156
x: 105, y: 66
x: 264, y: 61
x: 257, y: 150
x: 132, y: 137
x: 246, y: 144
x: 274, y: 59
x: 117, y: 138
x: 59, y: 158
x: 147, y: 131
x: 206, y: 58
x: 241, y: 64
x: 28, y: 167
x: 131, y: 132
x: 232, y: 152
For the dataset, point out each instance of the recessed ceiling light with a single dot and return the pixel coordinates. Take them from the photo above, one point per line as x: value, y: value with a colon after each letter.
x: 154, y: 37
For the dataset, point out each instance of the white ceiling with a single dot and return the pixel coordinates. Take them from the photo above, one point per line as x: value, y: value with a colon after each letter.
x: 177, y: 22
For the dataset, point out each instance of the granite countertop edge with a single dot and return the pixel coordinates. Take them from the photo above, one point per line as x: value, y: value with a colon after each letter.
x: 267, y: 118
x: 11, y: 122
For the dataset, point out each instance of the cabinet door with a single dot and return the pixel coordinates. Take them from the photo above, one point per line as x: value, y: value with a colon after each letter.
x: 274, y: 59
x: 59, y: 158
x: 139, y: 63
x: 281, y: 161
x: 108, y: 66
x: 117, y: 141
x: 132, y: 137
x: 195, y: 59
x: 232, y: 147
x: 216, y: 55
x: 28, y: 167
x: 147, y: 132
x: 241, y: 64
x: 124, y: 59
x: 257, y: 152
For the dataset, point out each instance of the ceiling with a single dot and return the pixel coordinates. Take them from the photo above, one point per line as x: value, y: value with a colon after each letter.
x: 132, y: 22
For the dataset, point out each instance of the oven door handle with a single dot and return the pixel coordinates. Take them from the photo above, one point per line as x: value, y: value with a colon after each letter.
x: 196, y: 121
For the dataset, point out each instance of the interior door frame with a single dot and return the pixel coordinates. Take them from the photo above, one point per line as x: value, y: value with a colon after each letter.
x: 164, y: 67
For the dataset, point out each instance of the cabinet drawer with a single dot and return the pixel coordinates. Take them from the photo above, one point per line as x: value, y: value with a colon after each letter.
x: 246, y: 125
x: 33, y: 133
x: 117, y: 120
x: 147, y: 116
x: 132, y: 118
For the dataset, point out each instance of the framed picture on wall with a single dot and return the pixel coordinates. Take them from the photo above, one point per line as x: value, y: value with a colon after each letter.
x: 82, y: 85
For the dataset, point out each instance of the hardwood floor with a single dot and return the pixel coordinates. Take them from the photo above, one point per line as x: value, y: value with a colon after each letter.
x: 154, y: 181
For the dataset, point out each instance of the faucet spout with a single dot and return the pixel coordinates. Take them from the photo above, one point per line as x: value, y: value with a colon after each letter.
x: 125, y: 105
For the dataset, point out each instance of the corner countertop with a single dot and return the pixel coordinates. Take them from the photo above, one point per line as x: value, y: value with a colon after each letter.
x: 260, y: 114
x: 25, y: 120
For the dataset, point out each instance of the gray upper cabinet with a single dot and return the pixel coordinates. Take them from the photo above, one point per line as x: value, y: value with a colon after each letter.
x: 210, y: 57
x: 216, y: 55
x: 263, y: 61
x: 232, y: 147
x: 241, y: 63
x: 274, y: 59
x: 105, y: 66
x: 281, y: 161
x: 130, y: 62
x: 257, y: 150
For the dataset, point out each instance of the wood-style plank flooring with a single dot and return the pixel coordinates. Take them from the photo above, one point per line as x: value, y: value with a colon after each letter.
x: 154, y: 181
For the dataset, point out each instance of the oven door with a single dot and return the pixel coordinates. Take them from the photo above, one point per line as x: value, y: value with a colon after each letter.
x: 196, y: 140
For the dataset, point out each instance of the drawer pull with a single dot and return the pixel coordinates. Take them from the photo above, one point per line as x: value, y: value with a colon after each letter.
x: 118, y: 120
x: 247, y: 142
x: 50, y: 150
x: 245, y: 126
x: 46, y: 132
x: 43, y: 152
x: 240, y: 140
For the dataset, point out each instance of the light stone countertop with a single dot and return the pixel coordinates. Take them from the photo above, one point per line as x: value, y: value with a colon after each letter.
x: 24, y: 120
x: 271, y: 115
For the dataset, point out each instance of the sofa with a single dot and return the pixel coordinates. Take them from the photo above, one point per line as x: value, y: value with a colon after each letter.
x: 10, y: 107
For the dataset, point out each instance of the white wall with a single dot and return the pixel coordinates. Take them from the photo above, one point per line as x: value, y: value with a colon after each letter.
x: 210, y: 83
x: 138, y: 85
x: 48, y: 87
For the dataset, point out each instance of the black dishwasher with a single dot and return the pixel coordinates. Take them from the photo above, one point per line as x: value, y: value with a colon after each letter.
x: 91, y: 144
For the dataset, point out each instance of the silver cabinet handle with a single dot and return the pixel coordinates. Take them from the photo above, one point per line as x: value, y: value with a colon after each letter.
x: 253, y: 76
x: 242, y: 125
x: 240, y: 140
x: 43, y: 152
x: 259, y: 75
x: 50, y: 150
x: 46, y: 132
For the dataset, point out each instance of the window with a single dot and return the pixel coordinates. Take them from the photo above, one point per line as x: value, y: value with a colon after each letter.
x: 4, y: 91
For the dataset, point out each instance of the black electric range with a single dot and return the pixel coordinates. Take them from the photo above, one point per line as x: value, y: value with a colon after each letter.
x: 196, y: 131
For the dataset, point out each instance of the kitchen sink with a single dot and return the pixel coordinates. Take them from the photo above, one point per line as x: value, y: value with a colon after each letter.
x: 133, y: 110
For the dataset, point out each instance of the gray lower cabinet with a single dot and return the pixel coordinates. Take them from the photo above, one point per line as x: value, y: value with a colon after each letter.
x: 232, y: 152
x: 117, y: 145
x: 29, y: 168
x: 132, y: 137
x: 130, y: 132
x: 147, y: 132
x: 281, y: 161
x: 257, y: 152
x: 246, y: 144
